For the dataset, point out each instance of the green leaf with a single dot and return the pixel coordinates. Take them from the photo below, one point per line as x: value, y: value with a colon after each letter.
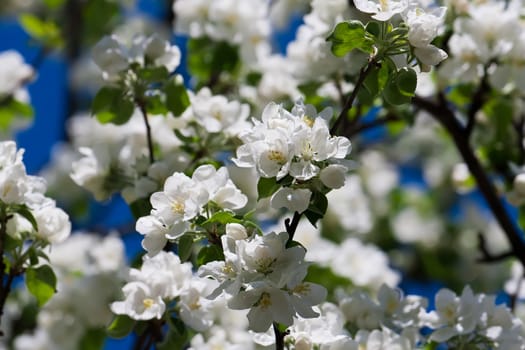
x: 120, y: 327
x: 99, y: 17
x: 209, y: 253
x: 318, y: 203
x: 267, y: 186
x: 11, y: 109
x: 105, y: 98
x: 112, y: 105
x: 177, y: 99
x: 185, y: 247
x: 53, y: 4
x: 141, y: 207
x: 93, y: 339
x: 406, y: 81
x: 41, y: 282
x: 348, y: 36
x: 24, y: 211
x: 373, y: 28
x: 222, y: 217
x: 392, y: 93
x: 155, y: 105
x: 47, y: 32
x: 153, y: 74
x: 317, y: 208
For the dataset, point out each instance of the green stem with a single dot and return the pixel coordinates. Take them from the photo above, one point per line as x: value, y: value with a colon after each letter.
x: 279, y: 337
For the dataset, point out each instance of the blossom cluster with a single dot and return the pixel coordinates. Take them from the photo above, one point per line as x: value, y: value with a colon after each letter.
x: 182, y: 200
x: 210, y: 275
x: 298, y: 144
x: 18, y: 190
x: 88, y: 268
x: 113, y: 57
x: 261, y: 274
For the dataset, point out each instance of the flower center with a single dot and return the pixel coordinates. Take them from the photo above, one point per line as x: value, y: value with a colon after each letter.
x: 308, y: 121
x: 265, y: 301
x: 277, y: 156
x: 177, y: 207
x: 148, y: 302
x: 302, y: 289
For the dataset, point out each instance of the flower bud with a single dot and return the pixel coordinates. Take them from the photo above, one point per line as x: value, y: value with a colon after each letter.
x: 236, y: 231
x: 333, y: 176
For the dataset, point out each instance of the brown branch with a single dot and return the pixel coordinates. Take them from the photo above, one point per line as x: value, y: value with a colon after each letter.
x: 142, y: 107
x: 487, y: 256
x: 478, y: 99
x: 291, y: 227
x: 343, y: 116
x: 519, y: 127
x: 447, y: 119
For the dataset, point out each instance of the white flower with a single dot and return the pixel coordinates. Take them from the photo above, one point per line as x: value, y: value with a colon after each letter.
x: 53, y: 224
x: 91, y: 170
x: 141, y: 302
x: 296, y: 200
x: 430, y: 55
x: 384, y: 339
x: 267, y: 304
x: 154, y: 231
x: 217, y: 114
x: 353, y: 260
x: 424, y: 26
x: 382, y: 10
x: 221, y: 190
x: 194, y: 307
x: 236, y: 231
x: 161, y: 52
x: 110, y: 56
x: 454, y: 315
x: 14, y: 73
x: 165, y: 273
x: 333, y: 176
x: 180, y: 201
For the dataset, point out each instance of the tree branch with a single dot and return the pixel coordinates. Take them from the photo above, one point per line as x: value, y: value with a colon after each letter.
x: 477, y: 102
x: 144, y: 113
x: 488, y: 257
x: 291, y: 227
x: 447, y: 119
x: 343, y: 116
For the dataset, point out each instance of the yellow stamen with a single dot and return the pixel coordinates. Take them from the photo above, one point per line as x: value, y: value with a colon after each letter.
x: 148, y: 302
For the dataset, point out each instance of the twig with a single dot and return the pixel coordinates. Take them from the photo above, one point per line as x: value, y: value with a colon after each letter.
x: 144, y: 113
x: 343, y: 116
x: 518, y: 126
x: 477, y: 102
x: 488, y: 257
x: 279, y: 337
x: 292, y: 227
x: 447, y: 119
